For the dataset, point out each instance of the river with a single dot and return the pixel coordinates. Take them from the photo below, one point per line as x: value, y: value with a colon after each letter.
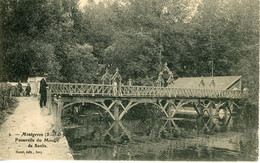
x: 193, y: 139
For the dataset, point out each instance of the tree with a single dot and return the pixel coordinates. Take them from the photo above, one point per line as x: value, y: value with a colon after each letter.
x: 24, y: 25
x: 81, y: 65
x: 136, y: 56
x: 244, y: 37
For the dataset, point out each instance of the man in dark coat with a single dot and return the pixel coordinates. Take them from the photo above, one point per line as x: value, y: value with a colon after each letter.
x: 43, y: 90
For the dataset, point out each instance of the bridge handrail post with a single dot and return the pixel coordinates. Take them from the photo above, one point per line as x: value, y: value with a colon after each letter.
x: 103, y: 89
x: 132, y: 91
x: 120, y: 89
x: 157, y: 91
x: 124, y: 90
x: 70, y: 89
x: 152, y: 91
x: 128, y: 90
x: 92, y: 89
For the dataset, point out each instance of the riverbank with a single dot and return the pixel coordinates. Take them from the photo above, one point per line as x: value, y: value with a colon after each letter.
x: 28, y: 133
x: 7, y: 103
x: 13, y: 103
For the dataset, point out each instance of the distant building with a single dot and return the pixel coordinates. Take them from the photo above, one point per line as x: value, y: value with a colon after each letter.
x: 218, y: 83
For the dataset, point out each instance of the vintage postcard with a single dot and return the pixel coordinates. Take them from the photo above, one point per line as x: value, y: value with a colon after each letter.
x: 129, y: 80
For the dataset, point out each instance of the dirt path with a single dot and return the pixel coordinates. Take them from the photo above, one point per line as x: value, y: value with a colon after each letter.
x: 16, y: 134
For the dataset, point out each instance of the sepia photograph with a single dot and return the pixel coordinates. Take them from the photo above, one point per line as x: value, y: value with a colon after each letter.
x: 129, y: 80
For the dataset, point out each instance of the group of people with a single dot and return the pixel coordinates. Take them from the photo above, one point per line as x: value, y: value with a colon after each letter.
x: 27, y: 89
x: 42, y: 91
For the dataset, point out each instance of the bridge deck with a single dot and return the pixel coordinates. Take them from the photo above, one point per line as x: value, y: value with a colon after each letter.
x: 138, y: 91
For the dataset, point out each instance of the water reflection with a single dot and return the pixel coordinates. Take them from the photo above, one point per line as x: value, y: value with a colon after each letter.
x: 199, y: 139
x: 210, y: 125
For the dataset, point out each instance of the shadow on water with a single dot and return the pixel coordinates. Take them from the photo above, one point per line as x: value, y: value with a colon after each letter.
x: 204, y: 138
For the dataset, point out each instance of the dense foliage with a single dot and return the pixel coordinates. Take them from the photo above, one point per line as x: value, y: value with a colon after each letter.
x: 7, y: 102
x: 76, y: 45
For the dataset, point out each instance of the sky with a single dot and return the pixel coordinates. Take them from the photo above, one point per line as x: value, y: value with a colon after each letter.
x: 82, y: 3
x: 192, y: 6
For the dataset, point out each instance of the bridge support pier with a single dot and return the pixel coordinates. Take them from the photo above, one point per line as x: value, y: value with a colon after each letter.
x: 116, y: 112
x: 170, y: 110
x: 116, y: 128
x: 57, y: 113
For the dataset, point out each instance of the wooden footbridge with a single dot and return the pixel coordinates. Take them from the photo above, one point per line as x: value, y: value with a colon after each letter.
x: 117, y: 99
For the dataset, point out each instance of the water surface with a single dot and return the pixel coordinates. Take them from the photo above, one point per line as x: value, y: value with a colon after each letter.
x: 203, y: 139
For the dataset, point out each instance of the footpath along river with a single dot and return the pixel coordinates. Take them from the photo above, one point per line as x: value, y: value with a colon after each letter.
x: 28, y: 134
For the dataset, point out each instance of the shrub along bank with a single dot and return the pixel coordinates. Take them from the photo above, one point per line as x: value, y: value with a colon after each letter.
x: 7, y: 102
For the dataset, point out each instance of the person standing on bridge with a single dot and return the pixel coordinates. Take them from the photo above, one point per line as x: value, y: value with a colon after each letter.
x: 43, y: 90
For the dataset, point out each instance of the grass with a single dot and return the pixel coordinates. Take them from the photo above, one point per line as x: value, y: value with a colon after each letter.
x: 9, y: 109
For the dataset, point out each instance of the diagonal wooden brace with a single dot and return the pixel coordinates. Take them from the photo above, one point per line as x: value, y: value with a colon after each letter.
x: 163, y: 108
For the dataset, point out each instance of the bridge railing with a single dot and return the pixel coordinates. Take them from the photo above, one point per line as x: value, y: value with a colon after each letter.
x: 148, y: 91
x: 138, y: 91
x: 80, y: 89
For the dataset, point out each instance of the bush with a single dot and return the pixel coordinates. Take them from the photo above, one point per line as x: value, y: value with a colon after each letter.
x: 7, y: 102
